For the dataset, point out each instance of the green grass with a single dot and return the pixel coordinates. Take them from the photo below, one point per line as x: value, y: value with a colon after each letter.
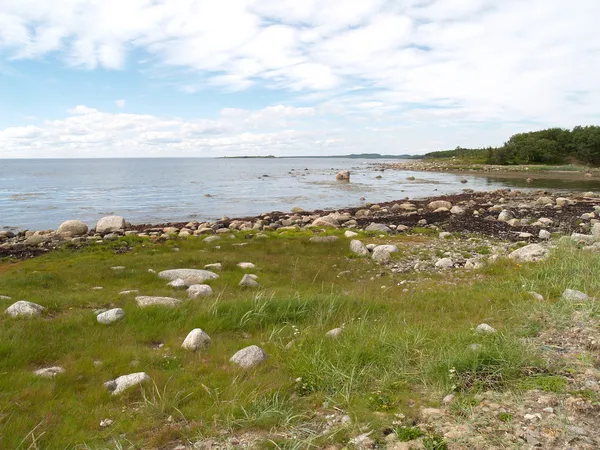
x: 397, y: 348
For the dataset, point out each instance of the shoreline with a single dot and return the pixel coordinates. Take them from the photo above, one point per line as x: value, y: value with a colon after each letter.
x: 497, y: 171
x: 467, y: 212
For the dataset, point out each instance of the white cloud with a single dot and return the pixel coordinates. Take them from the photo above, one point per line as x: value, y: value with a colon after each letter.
x: 120, y: 103
x: 445, y: 63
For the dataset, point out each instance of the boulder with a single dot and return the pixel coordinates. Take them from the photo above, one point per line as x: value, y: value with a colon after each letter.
x: 596, y: 231
x: 215, y: 266
x: 196, y: 339
x: 530, y: 253
x: 74, y: 227
x: 544, y: 201
x: 440, y: 204
x: 249, y: 357
x: 248, y: 281
x: 457, y: 210
x: 350, y: 234
x: 358, y: 248
x: 323, y: 239
x: 49, y: 372
x: 145, y: 300
x: 120, y: 384
x: 210, y: 239
x: 189, y: 276
x: 585, y: 238
x: 110, y: 224
x: 484, y: 328
x: 326, y: 222
x: 536, y: 296
x: 343, y: 175
x: 572, y: 295
x: 505, y: 216
x: 334, y: 333
x: 562, y: 202
x: 444, y: 263
x: 110, y: 316
x: 199, y: 290
x: 36, y: 239
x: 177, y: 284
x: 544, y: 234
x: 381, y: 253
x: 246, y: 265
x: 378, y: 228
x: 24, y: 308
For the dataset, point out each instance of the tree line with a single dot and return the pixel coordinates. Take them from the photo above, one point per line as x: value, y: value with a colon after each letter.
x: 550, y: 146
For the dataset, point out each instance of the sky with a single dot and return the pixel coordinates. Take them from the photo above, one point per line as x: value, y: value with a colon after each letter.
x: 207, y: 78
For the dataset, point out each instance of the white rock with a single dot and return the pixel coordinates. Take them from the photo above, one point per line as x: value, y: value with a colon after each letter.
x: 177, y: 284
x: 544, y: 234
x: 530, y: 253
x: 129, y: 292
x: 358, y: 248
x: 334, y: 333
x: 381, y: 253
x: 74, y: 227
x: 378, y: 227
x: 24, y: 308
x: 118, y: 385
x: 110, y: 316
x: 106, y: 423
x: 246, y: 265
x: 444, y: 263
x: 505, y: 216
x: 215, y: 266
x: 457, y: 210
x: 596, y: 231
x: 445, y: 235
x: 586, y: 238
x: 118, y: 267
x: 189, y: 276
x: 145, y: 300
x: 49, y: 372
x: 249, y: 357
x: 248, y: 281
x: 561, y: 202
x: 572, y: 295
x: 440, y: 204
x: 210, y: 239
x: 536, y: 296
x: 110, y: 224
x: 199, y: 290
x: 5, y: 297
x: 326, y: 222
x: 196, y: 339
x: 350, y: 234
x: 484, y: 328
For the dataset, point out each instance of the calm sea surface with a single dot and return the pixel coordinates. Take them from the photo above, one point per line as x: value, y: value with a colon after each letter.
x: 39, y: 194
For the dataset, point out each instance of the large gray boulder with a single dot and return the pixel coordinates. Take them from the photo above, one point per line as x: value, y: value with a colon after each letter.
x: 189, y: 276
x: 572, y: 295
x: 249, y: 357
x: 110, y: 316
x: 596, y: 231
x: 199, y: 290
x: 24, y: 308
x: 530, y: 253
x: 249, y: 281
x: 120, y: 384
x: 196, y: 339
x: 381, y: 253
x: 505, y: 216
x: 378, y: 227
x: 73, y: 227
x: 358, y: 248
x: 110, y: 224
x: 144, y: 300
x: 440, y: 204
x: 326, y: 221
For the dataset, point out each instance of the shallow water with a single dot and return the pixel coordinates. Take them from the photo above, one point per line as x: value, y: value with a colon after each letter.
x: 39, y: 194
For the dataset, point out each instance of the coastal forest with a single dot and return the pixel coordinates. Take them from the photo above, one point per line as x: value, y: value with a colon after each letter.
x: 549, y: 146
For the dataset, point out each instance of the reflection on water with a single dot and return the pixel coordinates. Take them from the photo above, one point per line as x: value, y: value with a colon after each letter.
x: 40, y: 194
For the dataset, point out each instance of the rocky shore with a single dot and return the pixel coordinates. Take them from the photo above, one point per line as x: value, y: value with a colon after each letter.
x: 506, y: 215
